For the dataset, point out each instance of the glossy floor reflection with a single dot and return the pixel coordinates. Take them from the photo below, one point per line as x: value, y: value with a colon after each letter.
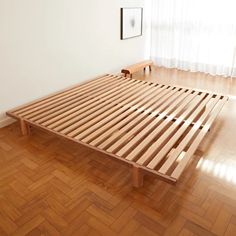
x: 225, y: 171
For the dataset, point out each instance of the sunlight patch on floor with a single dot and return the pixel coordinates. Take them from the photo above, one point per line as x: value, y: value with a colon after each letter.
x: 225, y: 171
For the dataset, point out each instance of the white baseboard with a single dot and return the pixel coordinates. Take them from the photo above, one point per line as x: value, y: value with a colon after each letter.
x: 6, y: 121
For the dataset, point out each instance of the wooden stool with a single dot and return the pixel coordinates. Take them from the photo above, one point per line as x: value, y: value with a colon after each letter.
x: 137, y: 67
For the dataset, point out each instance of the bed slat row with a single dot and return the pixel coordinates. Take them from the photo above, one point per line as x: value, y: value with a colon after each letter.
x: 154, y: 127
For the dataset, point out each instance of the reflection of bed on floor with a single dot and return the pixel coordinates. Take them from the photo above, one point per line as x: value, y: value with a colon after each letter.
x: 153, y: 127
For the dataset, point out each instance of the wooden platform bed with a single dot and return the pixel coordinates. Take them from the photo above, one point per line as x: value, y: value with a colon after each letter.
x: 153, y: 127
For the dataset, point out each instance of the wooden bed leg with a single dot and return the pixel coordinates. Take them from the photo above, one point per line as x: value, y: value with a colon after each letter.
x: 150, y: 68
x: 137, y: 177
x: 25, y: 129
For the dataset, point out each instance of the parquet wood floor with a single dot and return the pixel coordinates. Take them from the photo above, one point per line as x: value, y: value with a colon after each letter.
x: 50, y: 186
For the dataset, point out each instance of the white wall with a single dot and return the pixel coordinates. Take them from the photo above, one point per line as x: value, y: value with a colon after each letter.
x: 47, y: 45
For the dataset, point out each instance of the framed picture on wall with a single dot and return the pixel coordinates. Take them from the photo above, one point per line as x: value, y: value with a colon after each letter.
x: 131, y: 22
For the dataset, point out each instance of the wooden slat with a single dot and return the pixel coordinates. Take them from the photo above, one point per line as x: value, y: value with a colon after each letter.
x: 179, y: 169
x: 173, y: 133
x: 117, y: 136
x: 131, y: 119
x: 48, y: 100
x: 162, y: 104
x: 103, y: 115
x: 67, y: 100
x: 134, y: 121
x: 66, y: 118
x: 141, y: 103
x: 165, y: 167
x: 121, y: 95
x: 152, y: 135
x: 75, y: 100
x: 55, y: 94
x: 141, y: 127
x: 174, y: 138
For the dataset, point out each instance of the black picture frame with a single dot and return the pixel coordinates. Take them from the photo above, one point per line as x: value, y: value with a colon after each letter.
x: 122, y: 12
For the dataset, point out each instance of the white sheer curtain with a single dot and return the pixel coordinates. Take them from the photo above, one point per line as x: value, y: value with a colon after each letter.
x: 195, y: 35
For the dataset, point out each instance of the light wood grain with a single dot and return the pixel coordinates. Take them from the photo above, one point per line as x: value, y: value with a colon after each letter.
x: 137, y: 67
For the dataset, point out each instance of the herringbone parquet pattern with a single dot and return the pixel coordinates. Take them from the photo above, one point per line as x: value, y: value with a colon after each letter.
x: 53, y: 187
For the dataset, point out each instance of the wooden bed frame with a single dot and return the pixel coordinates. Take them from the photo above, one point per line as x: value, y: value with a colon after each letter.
x: 155, y: 128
